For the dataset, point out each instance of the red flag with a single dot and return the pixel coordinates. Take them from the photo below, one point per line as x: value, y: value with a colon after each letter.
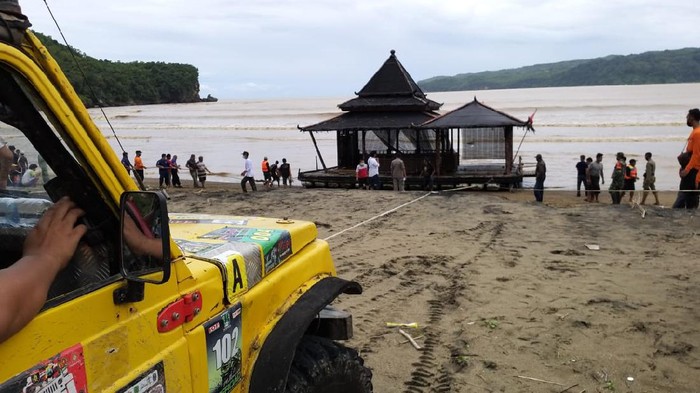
x: 530, y: 121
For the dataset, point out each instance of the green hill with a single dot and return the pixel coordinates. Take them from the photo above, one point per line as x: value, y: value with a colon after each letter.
x: 669, y: 66
x: 133, y: 83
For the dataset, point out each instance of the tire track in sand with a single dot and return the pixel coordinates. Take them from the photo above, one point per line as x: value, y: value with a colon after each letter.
x: 433, y: 372
x: 434, y: 284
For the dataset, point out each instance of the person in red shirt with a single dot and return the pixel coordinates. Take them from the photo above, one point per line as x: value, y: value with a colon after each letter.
x: 362, y: 174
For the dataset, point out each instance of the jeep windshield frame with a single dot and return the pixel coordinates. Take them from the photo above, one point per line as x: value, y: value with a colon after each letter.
x: 23, y: 108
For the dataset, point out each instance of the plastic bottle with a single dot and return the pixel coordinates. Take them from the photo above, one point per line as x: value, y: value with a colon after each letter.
x: 22, y: 212
x: 9, y: 213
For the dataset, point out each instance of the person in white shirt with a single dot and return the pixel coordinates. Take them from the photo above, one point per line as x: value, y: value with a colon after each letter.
x: 31, y: 176
x: 373, y: 164
x: 248, y: 175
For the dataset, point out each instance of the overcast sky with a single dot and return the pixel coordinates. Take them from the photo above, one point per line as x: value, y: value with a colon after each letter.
x: 330, y: 48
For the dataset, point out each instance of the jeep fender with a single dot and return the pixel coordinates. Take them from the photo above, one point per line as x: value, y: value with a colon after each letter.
x: 276, y: 355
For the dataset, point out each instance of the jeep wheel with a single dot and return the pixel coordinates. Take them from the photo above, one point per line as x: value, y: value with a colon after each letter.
x: 321, y: 365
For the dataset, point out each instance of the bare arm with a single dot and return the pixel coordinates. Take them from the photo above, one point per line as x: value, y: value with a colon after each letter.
x: 47, y: 249
x: 139, y: 243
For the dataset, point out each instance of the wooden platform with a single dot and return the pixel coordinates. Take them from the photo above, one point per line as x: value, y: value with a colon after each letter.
x: 345, y: 178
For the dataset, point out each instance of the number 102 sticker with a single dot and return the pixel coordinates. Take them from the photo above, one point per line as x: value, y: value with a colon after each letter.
x: 223, y: 338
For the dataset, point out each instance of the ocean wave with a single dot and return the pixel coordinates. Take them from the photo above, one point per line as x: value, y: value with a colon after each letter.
x: 609, y: 124
x: 287, y: 127
x: 608, y: 139
x: 232, y: 116
x: 587, y: 108
x: 218, y: 127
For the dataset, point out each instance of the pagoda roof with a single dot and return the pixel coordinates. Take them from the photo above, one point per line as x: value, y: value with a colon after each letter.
x: 474, y: 115
x: 374, y: 120
x: 390, y: 88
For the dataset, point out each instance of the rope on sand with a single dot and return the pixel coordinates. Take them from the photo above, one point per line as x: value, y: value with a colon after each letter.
x: 389, y: 211
x: 635, y: 204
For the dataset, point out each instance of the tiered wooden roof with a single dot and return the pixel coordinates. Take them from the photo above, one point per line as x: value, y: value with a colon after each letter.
x: 474, y: 115
x: 391, y: 99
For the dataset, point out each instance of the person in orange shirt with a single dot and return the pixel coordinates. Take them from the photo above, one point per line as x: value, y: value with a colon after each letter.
x: 138, y: 164
x: 692, y: 168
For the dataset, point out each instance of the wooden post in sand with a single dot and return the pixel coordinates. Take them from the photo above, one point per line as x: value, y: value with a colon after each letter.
x: 313, y: 138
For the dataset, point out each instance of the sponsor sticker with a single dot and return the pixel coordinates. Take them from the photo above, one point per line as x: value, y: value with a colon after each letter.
x: 151, y: 381
x: 275, y: 243
x: 64, y: 372
x: 224, y: 354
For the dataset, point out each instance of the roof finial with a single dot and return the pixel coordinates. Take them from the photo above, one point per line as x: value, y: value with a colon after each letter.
x: 393, y: 52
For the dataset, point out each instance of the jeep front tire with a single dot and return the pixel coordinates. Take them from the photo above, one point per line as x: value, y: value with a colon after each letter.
x: 321, y: 365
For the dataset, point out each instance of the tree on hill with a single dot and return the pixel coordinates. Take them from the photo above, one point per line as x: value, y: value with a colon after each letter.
x: 669, y: 66
x: 118, y: 83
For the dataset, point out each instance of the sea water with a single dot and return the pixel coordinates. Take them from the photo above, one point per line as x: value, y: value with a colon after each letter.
x: 569, y: 121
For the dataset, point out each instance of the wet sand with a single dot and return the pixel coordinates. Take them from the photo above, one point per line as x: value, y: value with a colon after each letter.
x: 507, y: 294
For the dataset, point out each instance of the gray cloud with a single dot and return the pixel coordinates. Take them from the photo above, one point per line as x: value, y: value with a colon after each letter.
x: 267, y: 48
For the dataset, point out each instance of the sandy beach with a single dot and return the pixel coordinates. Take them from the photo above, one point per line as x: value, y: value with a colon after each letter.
x: 508, y: 295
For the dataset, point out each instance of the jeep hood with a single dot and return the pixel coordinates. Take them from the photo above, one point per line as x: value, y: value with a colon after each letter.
x: 253, y: 244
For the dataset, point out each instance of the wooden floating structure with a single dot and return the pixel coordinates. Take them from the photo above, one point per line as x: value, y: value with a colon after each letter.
x: 472, y: 144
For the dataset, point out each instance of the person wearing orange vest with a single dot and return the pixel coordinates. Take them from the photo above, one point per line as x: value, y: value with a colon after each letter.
x: 631, y: 177
x: 267, y: 175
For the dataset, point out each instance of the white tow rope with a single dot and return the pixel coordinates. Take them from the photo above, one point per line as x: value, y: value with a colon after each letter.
x: 389, y: 211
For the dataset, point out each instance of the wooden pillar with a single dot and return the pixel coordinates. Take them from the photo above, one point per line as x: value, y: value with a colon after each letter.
x: 320, y: 157
x: 396, y: 148
x: 508, y: 142
x: 364, y: 145
x: 459, y: 145
x: 438, y: 152
x: 419, y: 132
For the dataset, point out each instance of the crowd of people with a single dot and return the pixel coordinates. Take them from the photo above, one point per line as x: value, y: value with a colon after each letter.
x: 624, y: 176
x: 169, y: 171
x: 20, y: 172
x: 367, y: 174
x: 272, y: 173
x: 589, y: 174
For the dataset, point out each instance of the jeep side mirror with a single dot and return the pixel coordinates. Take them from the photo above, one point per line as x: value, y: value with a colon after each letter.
x: 144, y: 237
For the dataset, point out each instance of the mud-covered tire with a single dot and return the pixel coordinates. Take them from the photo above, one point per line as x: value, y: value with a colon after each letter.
x: 321, y: 365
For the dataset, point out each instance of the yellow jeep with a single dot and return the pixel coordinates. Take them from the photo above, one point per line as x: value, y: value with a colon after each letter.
x: 219, y: 304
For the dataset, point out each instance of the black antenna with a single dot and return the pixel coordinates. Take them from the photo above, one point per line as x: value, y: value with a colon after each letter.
x: 77, y: 63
